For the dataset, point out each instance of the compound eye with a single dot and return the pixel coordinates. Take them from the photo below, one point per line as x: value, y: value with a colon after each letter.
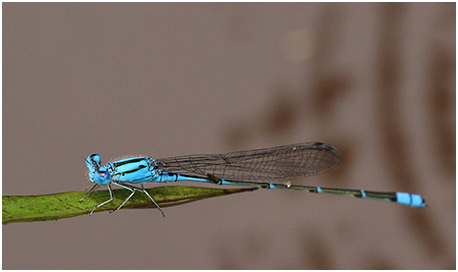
x: 94, y: 157
x: 93, y: 161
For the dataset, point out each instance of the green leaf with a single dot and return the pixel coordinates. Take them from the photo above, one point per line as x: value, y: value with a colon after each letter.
x: 64, y: 205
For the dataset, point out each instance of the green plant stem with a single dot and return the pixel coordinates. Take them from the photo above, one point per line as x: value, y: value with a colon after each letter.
x: 65, y: 205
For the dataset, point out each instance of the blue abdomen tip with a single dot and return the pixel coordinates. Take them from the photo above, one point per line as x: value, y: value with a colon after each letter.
x: 415, y: 201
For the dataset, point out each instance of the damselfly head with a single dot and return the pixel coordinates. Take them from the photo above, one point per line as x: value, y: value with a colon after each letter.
x: 97, y: 173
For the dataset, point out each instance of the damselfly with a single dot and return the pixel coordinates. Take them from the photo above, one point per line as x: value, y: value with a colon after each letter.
x: 260, y: 168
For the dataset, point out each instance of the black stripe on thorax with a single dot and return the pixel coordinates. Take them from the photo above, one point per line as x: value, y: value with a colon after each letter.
x: 133, y: 170
x: 116, y: 164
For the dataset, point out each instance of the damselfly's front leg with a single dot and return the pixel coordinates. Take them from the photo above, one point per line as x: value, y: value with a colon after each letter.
x: 90, y: 191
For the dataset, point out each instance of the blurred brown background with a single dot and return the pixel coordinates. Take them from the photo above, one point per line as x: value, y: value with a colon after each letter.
x: 375, y: 80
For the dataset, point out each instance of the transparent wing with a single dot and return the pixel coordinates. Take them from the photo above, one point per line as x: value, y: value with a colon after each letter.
x: 260, y: 165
